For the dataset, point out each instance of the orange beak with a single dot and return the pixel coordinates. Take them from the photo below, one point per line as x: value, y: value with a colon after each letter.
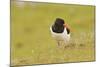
x: 65, y: 25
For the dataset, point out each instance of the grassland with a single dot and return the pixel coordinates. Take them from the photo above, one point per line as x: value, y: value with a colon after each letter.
x: 31, y: 41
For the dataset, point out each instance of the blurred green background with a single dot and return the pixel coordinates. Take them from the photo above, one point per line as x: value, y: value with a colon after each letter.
x: 31, y: 41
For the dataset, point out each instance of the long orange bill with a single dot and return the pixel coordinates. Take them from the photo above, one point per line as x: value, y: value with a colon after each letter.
x: 65, y: 25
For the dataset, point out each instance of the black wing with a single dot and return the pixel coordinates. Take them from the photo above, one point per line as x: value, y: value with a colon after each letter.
x: 68, y: 30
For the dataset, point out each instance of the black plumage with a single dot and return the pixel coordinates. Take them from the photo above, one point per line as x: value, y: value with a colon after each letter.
x: 58, y: 26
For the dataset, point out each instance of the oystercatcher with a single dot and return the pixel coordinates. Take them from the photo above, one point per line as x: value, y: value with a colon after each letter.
x: 60, y: 31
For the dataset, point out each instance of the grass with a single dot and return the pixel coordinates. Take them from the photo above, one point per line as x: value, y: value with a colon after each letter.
x: 31, y: 41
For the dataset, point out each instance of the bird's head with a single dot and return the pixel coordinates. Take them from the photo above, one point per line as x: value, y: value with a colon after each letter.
x: 59, y: 22
x: 58, y: 25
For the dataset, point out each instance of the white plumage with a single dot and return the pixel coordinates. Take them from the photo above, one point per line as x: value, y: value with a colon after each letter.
x: 64, y: 37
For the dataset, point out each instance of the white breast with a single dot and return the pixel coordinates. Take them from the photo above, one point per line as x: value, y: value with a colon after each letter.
x: 60, y: 36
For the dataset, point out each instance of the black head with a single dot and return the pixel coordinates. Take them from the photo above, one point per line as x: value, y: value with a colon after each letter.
x: 58, y: 26
x: 59, y: 22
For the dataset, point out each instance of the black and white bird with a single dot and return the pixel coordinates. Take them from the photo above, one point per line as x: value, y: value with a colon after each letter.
x: 60, y: 31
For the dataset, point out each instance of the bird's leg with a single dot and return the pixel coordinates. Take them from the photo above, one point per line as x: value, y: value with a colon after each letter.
x: 66, y: 44
x: 58, y: 43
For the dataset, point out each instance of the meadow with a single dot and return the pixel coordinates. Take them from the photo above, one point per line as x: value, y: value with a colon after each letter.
x: 31, y: 40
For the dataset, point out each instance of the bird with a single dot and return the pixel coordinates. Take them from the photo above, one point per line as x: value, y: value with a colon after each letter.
x: 60, y: 31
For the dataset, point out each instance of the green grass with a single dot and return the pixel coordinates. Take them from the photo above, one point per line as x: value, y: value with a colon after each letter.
x: 31, y: 41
